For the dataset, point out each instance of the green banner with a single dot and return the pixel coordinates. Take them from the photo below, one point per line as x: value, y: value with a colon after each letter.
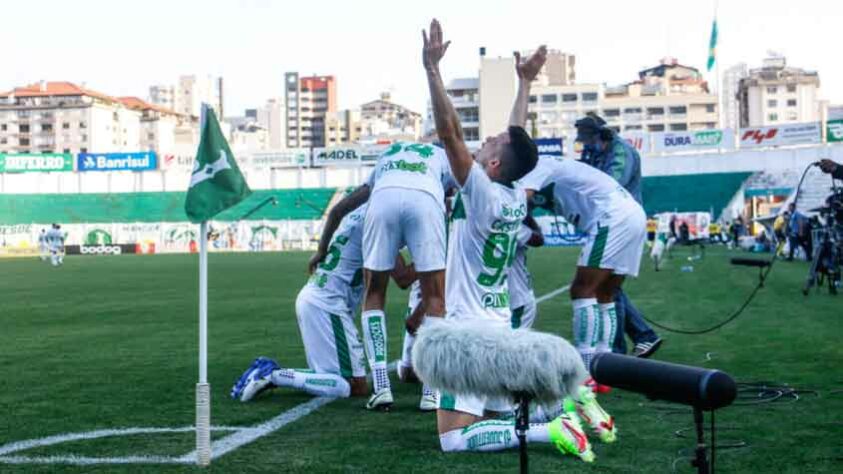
x: 29, y: 162
x: 834, y: 130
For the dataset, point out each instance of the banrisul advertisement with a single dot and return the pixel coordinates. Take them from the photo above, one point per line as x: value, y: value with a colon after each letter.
x: 668, y: 142
x: 141, y: 161
x: 31, y: 162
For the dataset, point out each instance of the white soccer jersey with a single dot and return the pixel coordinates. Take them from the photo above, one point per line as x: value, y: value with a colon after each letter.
x: 413, y: 166
x: 484, y: 224
x: 54, y: 239
x: 574, y: 190
x: 337, y: 284
x: 520, y: 280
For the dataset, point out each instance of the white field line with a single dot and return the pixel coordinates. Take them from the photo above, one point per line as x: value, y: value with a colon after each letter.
x: 553, y: 293
x: 220, y: 447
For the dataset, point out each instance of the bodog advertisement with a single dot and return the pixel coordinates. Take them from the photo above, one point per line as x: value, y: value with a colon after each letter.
x: 106, y: 249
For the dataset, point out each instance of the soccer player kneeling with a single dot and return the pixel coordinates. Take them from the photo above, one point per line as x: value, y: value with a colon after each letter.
x: 325, y: 310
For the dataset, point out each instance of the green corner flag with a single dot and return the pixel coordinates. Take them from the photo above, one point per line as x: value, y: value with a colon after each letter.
x: 216, y: 183
x: 712, y: 46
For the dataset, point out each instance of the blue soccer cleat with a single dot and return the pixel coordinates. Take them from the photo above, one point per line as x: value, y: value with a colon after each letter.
x: 254, y: 380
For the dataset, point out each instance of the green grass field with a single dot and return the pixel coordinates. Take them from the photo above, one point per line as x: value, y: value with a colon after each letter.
x: 111, y: 342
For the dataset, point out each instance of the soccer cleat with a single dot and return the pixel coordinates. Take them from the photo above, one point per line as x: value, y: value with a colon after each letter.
x: 567, y: 435
x: 646, y: 349
x: 593, y: 414
x: 428, y: 402
x: 254, y: 380
x: 380, y: 400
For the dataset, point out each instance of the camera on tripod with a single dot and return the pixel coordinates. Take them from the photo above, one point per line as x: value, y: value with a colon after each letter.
x: 827, y: 260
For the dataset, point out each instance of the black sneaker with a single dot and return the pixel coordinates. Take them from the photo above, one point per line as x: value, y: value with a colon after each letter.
x: 646, y: 349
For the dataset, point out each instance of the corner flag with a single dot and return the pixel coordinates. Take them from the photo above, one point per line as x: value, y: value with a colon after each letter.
x: 216, y: 183
x: 712, y: 46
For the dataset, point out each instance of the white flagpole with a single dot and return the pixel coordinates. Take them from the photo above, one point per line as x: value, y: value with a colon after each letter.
x: 203, y: 388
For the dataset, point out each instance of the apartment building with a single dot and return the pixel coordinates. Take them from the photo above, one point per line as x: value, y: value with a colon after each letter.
x: 308, y: 100
x: 776, y: 93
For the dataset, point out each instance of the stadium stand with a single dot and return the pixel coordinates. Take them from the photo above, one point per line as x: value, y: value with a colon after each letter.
x: 293, y: 204
x: 689, y: 193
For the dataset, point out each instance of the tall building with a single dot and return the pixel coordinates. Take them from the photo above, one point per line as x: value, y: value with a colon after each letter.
x: 776, y: 94
x: 342, y: 127
x: 308, y: 100
x: 272, y: 118
x: 465, y: 95
x: 729, y: 95
x: 62, y: 117
x: 186, y: 97
x: 379, y: 121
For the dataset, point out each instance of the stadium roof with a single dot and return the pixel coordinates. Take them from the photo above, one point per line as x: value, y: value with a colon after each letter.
x: 140, y: 104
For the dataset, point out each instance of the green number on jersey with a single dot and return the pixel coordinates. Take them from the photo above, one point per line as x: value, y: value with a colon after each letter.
x: 424, y: 151
x: 498, y: 252
x: 334, y: 253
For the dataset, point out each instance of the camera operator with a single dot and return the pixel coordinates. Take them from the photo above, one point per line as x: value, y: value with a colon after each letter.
x: 798, y: 232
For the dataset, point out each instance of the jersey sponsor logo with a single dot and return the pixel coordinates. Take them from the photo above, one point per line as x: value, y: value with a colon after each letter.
x: 519, y: 212
x: 100, y: 250
x: 496, y: 299
x: 402, y: 165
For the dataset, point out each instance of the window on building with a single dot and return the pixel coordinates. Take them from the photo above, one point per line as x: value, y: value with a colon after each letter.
x: 66, y: 150
x: 24, y: 128
x: 150, y: 136
x: 632, y: 127
x: 46, y: 152
x: 589, y: 96
x: 612, y: 112
x: 678, y: 127
x: 772, y: 103
x: 655, y: 127
x: 83, y: 150
x: 65, y: 125
x: 773, y: 117
x: 569, y: 97
x: 472, y: 134
x: 791, y: 87
x: 83, y: 138
x: 533, y: 99
x: 2, y: 127
x: 678, y: 110
x: 46, y: 127
x: 632, y: 110
x: 792, y: 116
x: 772, y: 89
x: 23, y: 141
x: 3, y: 141
x: 791, y: 102
x: 655, y: 110
x: 549, y: 98
x: 709, y: 108
x: 83, y: 125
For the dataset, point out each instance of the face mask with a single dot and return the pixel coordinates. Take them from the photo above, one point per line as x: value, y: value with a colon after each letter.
x: 591, y: 149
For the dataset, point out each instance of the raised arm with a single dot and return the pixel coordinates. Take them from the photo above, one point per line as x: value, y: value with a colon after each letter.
x: 335, y: 216
x: 527, y: 72
x: 447, y: 121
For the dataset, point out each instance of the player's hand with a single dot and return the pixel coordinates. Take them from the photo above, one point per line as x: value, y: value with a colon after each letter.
x: 529, y: 69
x: 828, y: 166
x: 315, y: 260
x: 434, y: 46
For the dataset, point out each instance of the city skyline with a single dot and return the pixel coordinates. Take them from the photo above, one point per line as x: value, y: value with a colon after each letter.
x: 370, y: 49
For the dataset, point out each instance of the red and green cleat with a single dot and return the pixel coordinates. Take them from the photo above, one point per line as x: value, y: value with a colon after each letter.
x: 593, y: 414
x: 567, y: 435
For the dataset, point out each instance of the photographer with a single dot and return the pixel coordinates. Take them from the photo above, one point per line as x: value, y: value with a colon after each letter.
x: 832, y: 168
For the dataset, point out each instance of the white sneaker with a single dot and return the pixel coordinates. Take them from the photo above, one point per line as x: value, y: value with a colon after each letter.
x: 380, y: 401
x: 429, y: 402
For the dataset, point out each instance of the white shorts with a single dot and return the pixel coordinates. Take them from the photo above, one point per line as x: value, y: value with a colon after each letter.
x: 524, y: 316
x: 397, y: 217
x: 617, y: 241
x: 473, y: 405
x: 330, y: 341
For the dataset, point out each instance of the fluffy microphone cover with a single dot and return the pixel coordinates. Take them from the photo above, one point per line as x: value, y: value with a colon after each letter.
x: 478, y: 358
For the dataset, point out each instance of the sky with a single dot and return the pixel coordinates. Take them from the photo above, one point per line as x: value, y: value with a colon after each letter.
x: 121, y: 47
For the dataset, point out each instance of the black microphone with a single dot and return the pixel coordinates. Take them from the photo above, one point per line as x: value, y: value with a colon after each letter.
x: 702, y: 388
x: 750, y: 262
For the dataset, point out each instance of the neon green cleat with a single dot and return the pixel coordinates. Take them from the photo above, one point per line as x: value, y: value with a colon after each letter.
x: 567, y: 435
x: 592, y: 413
